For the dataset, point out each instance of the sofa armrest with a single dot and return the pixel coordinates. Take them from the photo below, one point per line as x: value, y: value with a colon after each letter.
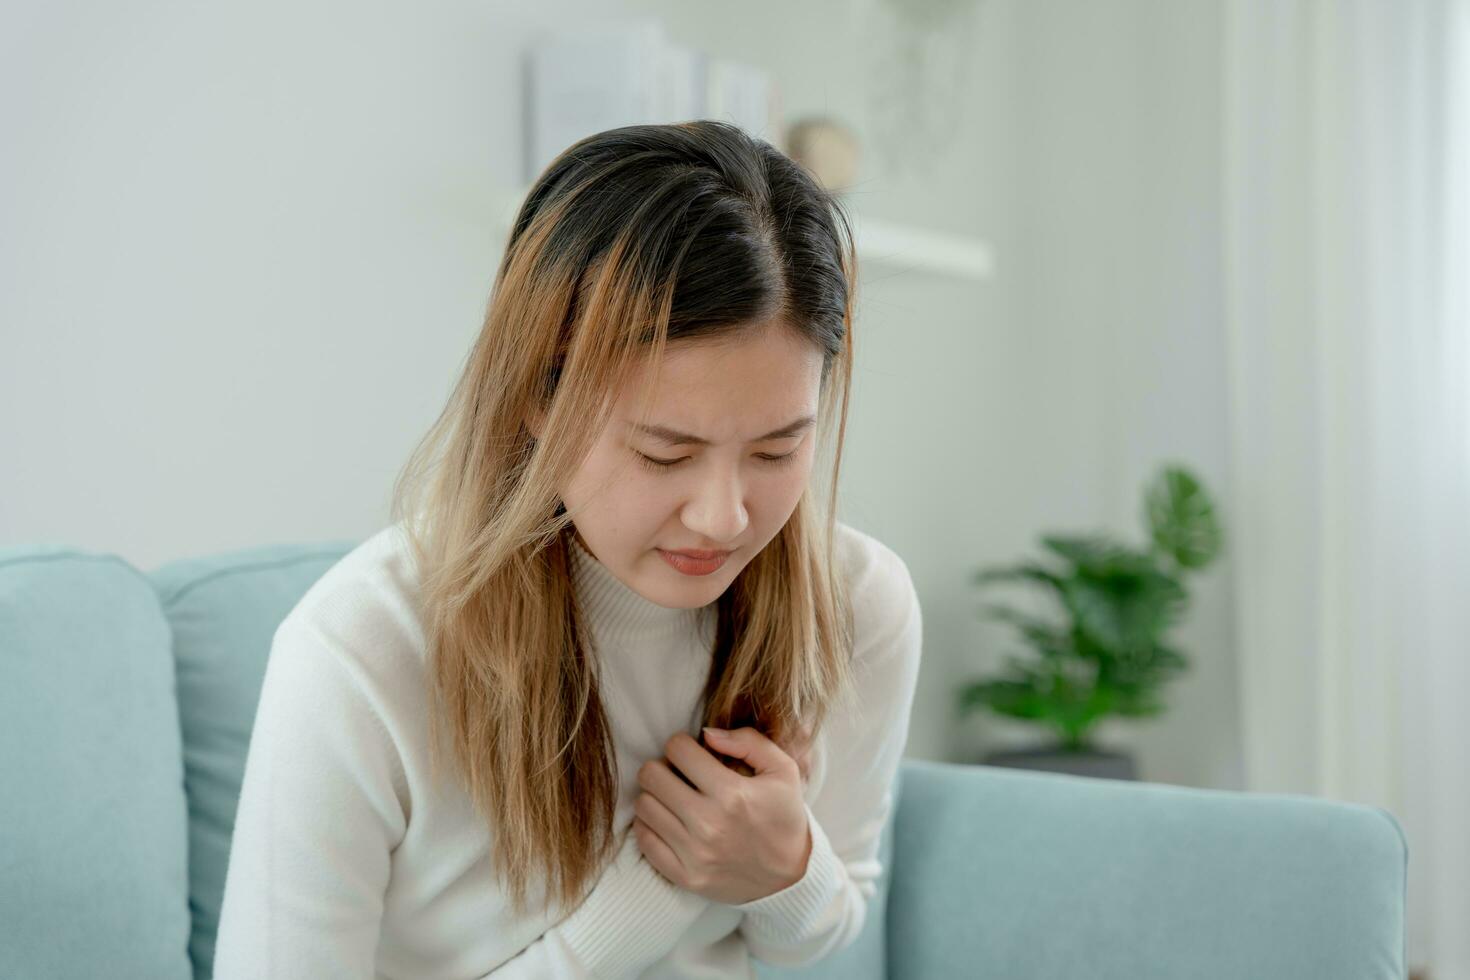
x: 1028, y: 875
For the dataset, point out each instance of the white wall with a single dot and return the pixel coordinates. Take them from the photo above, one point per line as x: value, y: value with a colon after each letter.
x: 1119, y: 255
x: 246, y: 251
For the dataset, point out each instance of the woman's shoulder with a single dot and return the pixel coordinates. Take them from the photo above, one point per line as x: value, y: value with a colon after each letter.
x: 881, y: 589
x: 365, y: 606
x: 872, y: 570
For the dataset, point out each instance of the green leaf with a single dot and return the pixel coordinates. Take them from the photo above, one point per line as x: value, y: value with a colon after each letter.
x: 1126, y: 610
x: 1169, y: 660
x: 1028, y: 572
x: 1049, y: 640
x: 1081, y: 550
x: 1182, y: 519
x: 1011, y: 698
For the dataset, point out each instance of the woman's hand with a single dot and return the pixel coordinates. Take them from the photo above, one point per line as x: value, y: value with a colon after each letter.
x: 712, y: 831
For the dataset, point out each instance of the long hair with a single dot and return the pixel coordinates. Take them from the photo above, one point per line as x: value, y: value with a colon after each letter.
x: 630, y: 239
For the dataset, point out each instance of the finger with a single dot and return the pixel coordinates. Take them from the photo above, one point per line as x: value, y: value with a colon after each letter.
x: 663, y: 821
x: 659, y: 854
x: 762, y: 754
x: 657, y: 778
x: 708, y: 774
x: 738, y: 766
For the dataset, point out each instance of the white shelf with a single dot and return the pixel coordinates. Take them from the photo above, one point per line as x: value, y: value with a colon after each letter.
x: 884, y: 243
x: 913, y: 247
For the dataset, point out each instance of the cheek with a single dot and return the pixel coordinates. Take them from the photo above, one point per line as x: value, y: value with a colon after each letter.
x: 773, y: 499
x: 796, y: 485
x: 598, y: 490
x: 796, y: 477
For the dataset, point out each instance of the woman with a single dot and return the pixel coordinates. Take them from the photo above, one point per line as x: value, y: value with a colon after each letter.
x: 659, y: 763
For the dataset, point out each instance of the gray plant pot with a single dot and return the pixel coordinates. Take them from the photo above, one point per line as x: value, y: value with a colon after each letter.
x: 1098, y: 764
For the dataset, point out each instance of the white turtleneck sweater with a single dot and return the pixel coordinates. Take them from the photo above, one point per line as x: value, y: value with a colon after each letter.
x: 347, y: 862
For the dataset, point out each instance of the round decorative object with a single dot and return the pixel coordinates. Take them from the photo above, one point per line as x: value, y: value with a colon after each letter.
x: 826, y: 147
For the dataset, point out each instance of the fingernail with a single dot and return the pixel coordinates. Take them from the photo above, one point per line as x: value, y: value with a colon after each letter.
x: 714, y: 731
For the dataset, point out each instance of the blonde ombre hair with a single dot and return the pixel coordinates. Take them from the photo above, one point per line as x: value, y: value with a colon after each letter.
x: 629, y: 240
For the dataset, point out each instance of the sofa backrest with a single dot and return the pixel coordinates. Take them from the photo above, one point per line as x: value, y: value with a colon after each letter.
x: 93, y: 818
x: 222, y: 611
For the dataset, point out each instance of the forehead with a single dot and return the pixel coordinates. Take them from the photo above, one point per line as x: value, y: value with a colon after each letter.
x: 730, y: 388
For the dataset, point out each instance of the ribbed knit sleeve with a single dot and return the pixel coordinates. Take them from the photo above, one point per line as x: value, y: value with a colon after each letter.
x: 320, y: 811
x: 864, y: 741
x: 632, y: 917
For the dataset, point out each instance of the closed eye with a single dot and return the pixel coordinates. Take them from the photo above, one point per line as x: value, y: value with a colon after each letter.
x: 652, y: 463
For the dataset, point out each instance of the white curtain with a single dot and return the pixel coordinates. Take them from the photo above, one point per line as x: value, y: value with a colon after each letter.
x: 1347, y: 181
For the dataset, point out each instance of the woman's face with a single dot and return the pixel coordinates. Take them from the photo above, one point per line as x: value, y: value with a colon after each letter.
x: 733, y: 492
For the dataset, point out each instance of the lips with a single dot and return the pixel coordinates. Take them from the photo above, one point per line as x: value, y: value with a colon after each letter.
x: 689, y: 565
x: 698, y: 555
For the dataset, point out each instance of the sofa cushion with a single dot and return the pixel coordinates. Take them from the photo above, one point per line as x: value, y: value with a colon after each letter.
x: 224, y: 610
x: 93, y: 834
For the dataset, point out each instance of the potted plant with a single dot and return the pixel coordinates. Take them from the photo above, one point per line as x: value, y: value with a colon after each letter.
x: 1110, y: 653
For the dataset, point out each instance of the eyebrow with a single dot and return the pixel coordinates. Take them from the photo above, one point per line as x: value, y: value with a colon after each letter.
x: 672, y: 437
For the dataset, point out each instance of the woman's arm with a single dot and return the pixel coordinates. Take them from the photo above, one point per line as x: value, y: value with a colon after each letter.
x: 319, y: 812
x: 321, y: 809
x: 632, y: 918
x: 864, y: 740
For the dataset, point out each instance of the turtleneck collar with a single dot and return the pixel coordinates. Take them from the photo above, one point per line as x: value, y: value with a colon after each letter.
x: 616, y: 609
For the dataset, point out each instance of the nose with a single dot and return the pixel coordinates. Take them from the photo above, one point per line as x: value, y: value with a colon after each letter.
x: 717, y: 511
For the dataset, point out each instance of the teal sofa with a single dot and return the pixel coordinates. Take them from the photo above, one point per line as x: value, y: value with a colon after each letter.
x: 126, y: 701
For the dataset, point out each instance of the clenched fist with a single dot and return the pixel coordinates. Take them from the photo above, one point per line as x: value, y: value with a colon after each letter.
x: 719, y: 833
